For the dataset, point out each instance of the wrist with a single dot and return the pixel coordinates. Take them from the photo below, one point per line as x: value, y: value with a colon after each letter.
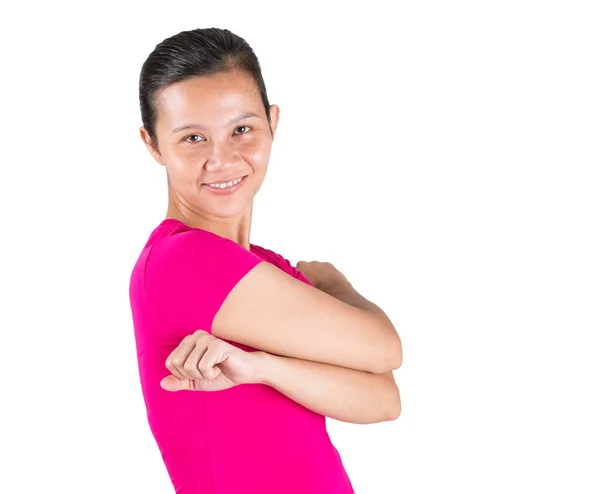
x: 263, y: 366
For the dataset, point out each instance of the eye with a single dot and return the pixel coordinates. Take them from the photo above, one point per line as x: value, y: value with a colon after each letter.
x: 193, y: 138
x: 245, y: 127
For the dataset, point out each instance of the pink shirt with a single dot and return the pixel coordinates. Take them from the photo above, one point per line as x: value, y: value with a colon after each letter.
x: 248, y: 439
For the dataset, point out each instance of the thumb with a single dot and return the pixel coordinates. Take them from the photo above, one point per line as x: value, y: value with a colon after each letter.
x: 171, y: 383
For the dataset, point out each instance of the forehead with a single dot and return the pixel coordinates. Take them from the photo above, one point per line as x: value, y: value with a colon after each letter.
x: 214, y: 97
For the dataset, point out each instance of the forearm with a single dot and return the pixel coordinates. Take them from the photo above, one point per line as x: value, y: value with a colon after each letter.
x: 344, y: 394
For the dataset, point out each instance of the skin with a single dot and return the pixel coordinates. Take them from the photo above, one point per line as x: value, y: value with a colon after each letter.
x: 211, y: 149
x: 195, y: 156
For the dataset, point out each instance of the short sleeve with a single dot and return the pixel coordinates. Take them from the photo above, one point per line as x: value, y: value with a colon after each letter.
x: 296, y: 273
x: 188, y: 276
x: 285, y: 265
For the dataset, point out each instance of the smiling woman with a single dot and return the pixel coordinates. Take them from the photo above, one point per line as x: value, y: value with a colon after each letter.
x: 241, y: 355
x: 206, y: 146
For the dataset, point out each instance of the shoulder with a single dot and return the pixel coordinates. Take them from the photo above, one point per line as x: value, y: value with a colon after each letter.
x: 176, y: 242
x: 189, y: 272
x: 184, y: 254
x: 279, y: 261
x: 270, y: 255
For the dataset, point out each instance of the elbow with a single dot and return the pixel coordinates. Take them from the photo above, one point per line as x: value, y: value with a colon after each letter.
x: 391, y: 406
x: 395, y: 358
x: 389, y: 357
x: 395, y: 409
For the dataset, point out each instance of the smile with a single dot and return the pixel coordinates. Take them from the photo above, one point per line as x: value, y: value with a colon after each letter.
x: 224, y: 185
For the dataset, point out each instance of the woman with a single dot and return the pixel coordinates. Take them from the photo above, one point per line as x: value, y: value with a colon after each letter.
x: 241, y: 355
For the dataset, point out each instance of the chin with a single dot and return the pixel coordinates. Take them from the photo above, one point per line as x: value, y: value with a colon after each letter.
x: 227, y: 211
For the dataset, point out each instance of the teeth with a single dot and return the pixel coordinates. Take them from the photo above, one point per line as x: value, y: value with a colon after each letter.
x: 226, y: 184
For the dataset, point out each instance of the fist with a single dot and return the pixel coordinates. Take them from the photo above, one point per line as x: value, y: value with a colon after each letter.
x: 321, y: 274
x: 203, y: 362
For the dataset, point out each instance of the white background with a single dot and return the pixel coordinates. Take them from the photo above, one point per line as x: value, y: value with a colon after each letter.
x: 444, y: 155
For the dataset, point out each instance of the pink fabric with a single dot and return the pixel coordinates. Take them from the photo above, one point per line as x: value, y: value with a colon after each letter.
x: 244, y: 440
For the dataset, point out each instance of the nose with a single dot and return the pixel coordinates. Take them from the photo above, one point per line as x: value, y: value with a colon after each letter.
x: 222, y: 156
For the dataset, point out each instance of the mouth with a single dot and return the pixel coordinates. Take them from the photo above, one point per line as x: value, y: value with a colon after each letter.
x: 226, y: 186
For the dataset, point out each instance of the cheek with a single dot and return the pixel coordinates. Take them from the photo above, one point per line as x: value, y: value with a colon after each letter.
x: 180, y: 172
x: 257, y: 153
x: 184, y: 158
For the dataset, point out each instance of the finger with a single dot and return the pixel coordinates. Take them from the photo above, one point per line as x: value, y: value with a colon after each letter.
x: 178, y: 357
x: 171, y: 383
x: 176, y: 360
x: 191, y: 364
x: 215, y: 353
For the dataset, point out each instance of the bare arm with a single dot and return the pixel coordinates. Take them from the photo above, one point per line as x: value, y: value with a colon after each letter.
x: 347, y: 395
x: 342, y: 290
x: 335, y: 391
x: 274, y: 312
x: 346, y: 293
x: 344, y: 394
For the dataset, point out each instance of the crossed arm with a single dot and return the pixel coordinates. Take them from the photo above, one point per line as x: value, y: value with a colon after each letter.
x: 342, y: 393
x: 329, y: 349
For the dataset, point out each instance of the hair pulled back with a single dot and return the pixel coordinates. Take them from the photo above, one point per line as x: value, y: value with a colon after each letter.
x: 199, y: 52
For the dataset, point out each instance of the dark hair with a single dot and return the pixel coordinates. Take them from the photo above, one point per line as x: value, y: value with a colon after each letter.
x: 199, y: 52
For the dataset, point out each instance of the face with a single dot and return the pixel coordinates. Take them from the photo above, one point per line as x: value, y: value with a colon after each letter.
x: 213, y: 136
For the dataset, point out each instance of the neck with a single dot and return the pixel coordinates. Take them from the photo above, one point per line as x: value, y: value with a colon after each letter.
x: 236, y: 229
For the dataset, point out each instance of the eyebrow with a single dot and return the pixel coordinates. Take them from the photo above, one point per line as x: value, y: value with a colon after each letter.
x: 232, y: 121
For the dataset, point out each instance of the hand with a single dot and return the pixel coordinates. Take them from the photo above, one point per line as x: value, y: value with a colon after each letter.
x: 203, y: 362
x: 321, y: 274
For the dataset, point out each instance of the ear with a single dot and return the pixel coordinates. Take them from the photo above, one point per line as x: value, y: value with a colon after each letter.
x: 151, y: 146
x: 274, y: 110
